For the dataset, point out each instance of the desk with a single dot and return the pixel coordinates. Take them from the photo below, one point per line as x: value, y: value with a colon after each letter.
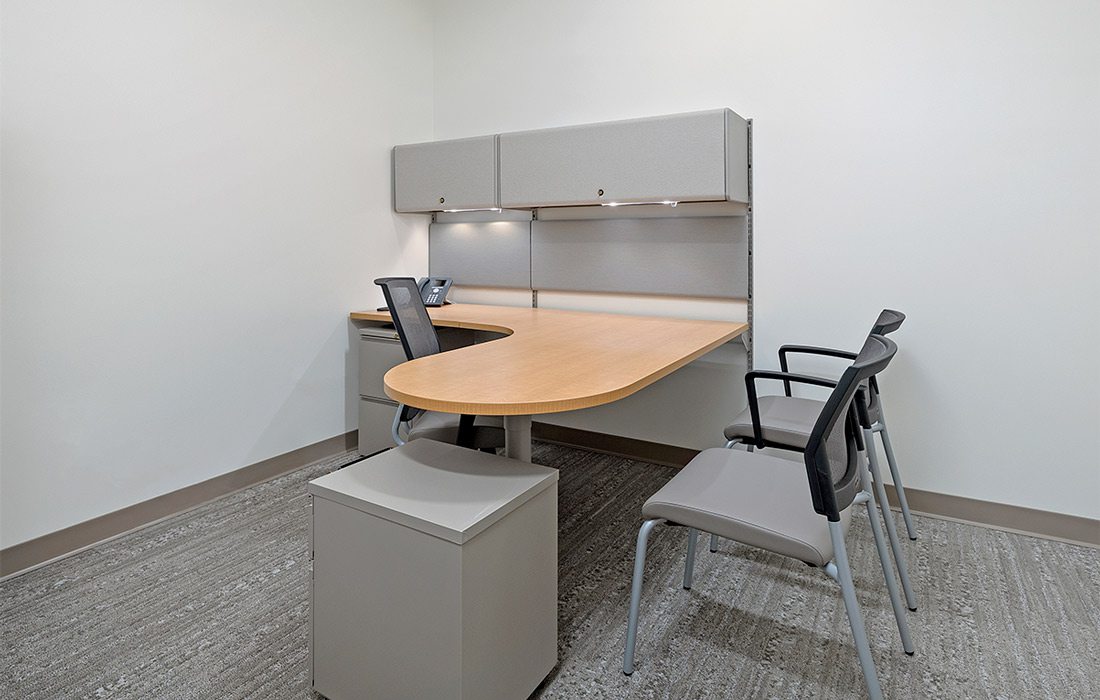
x: 551, y: 360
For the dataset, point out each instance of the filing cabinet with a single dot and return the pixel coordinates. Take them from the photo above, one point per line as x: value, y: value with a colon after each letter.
x: 380, y: 350
x: 434, y: 576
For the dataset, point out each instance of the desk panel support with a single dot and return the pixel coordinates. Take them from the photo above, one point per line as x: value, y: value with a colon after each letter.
x: 517, y: 437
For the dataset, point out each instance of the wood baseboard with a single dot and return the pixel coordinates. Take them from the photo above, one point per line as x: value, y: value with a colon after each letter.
x: 25, y: 556
x: 654, y: 452
x: 1001, y: 516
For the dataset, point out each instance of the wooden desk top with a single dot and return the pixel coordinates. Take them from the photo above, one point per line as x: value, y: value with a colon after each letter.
x: 551, y: 361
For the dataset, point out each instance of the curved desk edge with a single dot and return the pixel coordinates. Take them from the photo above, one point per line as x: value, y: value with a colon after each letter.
x: 466, y: 316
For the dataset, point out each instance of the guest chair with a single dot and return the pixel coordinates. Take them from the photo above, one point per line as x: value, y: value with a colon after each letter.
x: 763, y: 501
x: 785, y: 422
x: 418, y: 338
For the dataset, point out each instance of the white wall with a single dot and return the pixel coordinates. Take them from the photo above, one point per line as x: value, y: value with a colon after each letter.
x: 939, y: 158
x: 194, y: 196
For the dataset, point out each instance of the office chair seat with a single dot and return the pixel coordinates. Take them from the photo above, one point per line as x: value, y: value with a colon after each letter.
x: 751, y: 498
x: 443, y: 427
x: 784, y: 420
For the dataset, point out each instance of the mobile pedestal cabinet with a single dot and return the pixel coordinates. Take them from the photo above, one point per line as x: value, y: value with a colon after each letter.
x: 434, y: 576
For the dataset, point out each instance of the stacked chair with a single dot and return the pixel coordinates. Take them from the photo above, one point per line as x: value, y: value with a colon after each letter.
x: 419, y: 339
x: 785, y: 422
x: 780, y: 506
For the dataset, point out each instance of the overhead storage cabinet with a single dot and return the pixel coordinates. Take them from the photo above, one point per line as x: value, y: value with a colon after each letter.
x: 440, y: 175
x: 696, y: 157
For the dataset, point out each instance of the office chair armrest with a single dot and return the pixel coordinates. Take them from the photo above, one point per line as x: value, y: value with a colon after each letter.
x: 786, y: 378
x: 785, y: 350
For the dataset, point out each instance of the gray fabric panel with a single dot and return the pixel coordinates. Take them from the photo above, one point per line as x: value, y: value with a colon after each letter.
x: 704, y: 257
x: 482, y: 254
x: 750, y: 498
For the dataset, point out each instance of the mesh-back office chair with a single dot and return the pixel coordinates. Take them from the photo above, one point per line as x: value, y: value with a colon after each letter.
x: 761, y: 500
x: 418, y: 338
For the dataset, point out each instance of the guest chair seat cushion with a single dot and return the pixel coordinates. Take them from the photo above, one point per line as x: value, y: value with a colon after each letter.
x: 784, y: 420
x: 443, y: 427
x: 755, y: 499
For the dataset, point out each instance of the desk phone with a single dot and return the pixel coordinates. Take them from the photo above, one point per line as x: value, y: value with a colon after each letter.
x: 433, y: 290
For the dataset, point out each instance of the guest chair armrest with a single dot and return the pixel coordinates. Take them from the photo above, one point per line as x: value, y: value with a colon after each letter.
x: 786, y: 378
x: 785, y: 350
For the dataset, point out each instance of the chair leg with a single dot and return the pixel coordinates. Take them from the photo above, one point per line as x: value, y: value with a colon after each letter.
x: 839, y: 571
x: 689, y: 560
x: 888, y: 575
x: 910, y: 527
x: 714, y: 543
x: 888, y: 518
x: 636, y: 594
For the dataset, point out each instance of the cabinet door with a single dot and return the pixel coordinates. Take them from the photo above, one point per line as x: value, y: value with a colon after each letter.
x: 441, y: 175
x: 679, y: 158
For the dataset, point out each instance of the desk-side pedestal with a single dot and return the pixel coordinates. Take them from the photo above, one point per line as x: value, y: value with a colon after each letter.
x: 434, y: 576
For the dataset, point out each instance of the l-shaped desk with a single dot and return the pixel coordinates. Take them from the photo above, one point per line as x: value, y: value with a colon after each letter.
x: 551, y: 360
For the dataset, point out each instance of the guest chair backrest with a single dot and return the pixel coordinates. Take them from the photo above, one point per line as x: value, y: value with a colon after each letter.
x: 832, y: 463
x: 888, y: 321
x: 414, y: 326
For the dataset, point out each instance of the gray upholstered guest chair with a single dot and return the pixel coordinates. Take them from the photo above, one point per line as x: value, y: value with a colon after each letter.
x: 763, y: 501
x: 784, y: 421
x: 418, y: 338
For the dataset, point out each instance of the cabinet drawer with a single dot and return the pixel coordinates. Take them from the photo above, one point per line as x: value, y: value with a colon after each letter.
x: 378, y: 352
x: 375, y: 421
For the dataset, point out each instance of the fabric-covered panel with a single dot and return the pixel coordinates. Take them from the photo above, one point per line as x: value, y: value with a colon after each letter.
x: 482, y: 254
x: 703, y: 257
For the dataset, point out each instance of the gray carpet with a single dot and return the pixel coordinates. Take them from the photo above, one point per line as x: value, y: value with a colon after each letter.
x: 214, y: 603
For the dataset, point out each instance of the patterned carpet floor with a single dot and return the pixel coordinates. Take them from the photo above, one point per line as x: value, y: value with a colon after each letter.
x: 213, y: 603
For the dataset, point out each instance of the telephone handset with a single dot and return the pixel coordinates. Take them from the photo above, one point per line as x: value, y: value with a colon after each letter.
x: 433, y: 290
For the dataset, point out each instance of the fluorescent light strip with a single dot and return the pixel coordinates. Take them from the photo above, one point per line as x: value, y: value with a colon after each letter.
x: 633, y: 204
x: 452, y: 211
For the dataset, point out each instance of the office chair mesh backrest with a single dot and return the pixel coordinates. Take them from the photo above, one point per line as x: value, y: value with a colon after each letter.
x: 414, y: 326
x: 832, y: 463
